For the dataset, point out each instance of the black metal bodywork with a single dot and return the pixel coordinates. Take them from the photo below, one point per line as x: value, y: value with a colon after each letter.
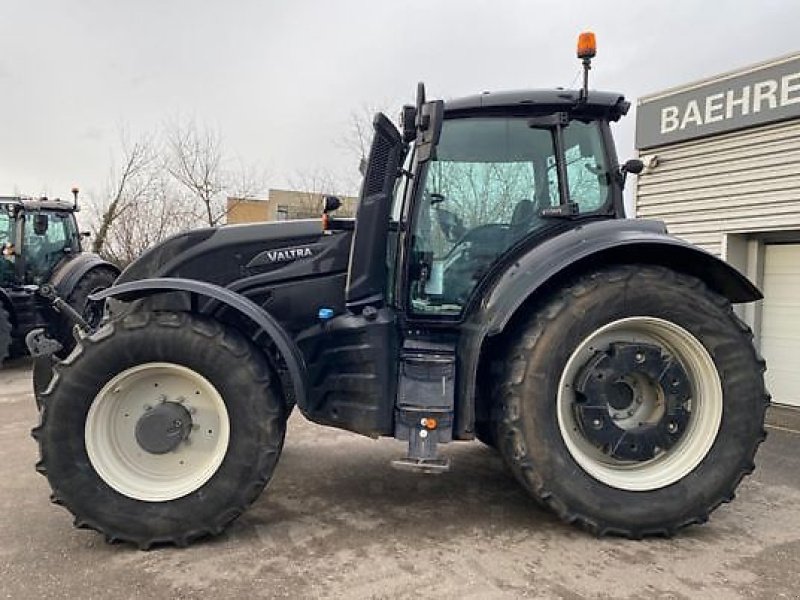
x: 352, y: 366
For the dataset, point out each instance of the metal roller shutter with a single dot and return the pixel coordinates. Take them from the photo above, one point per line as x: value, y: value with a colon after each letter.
x: 780, y: 322
x: 737, y: 182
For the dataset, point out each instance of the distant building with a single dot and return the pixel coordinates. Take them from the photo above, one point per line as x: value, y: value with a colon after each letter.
x: 723, y: 172
x: 284, y: 205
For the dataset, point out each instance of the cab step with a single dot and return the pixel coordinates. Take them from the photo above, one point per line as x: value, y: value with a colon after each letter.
x: 424, y: 409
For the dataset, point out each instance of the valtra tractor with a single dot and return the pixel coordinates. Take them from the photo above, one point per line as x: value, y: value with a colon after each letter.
x: 489, y: 286
x: 41, y: 258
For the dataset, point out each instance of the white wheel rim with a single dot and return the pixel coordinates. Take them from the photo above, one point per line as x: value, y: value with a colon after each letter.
x: 124, y: 465
x: 705, y: 406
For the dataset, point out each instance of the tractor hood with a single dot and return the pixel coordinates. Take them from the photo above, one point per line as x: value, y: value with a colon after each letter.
x: 270, y: 251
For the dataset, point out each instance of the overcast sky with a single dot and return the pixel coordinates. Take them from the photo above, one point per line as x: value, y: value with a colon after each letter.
x: 280, y: 79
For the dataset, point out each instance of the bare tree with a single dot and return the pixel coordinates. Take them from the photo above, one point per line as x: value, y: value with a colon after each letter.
x: 310, y: 186
x: 162, y: 184
x: 195, y: 158
x: 356, y: 142
x: 246, y: 181
x: 129, y: 180
x: 160, y: 214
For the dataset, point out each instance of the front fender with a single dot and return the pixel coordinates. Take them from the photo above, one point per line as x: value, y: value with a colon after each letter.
x: 266, y: 323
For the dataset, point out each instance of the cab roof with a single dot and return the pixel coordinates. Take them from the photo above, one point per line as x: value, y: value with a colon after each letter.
x: 38, y: 203
x: 611, y: 105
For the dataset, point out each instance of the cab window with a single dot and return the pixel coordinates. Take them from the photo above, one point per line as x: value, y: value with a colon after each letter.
x: 484, y: 193
x: 588, y: 176
x: 6, y: 229
x: 44, y: 251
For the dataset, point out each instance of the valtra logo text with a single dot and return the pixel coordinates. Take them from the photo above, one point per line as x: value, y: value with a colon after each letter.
x: 288, y: 254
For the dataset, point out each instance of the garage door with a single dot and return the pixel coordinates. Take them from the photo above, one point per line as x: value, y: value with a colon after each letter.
x: 780, y: 322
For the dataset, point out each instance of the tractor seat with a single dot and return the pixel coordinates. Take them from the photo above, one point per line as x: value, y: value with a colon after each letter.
x: 521, y: 219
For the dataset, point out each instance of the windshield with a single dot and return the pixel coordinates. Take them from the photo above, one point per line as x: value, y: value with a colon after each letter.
x: 6, y: 241
x: 485, y: 191
x: 6, y: 228
x: 43, y: 250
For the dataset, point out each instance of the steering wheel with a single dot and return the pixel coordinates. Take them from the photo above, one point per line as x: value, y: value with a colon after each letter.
x: 487, y: 235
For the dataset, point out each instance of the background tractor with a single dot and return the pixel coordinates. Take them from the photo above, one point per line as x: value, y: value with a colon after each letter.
x: 489, y: 286
x: 41, y: 248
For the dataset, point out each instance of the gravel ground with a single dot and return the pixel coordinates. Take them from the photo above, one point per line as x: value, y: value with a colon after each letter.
x: 338, y: 522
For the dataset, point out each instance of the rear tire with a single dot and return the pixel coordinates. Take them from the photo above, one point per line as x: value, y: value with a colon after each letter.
x: 654, y: 459
x: 5, y: 335
x: 105, y: 464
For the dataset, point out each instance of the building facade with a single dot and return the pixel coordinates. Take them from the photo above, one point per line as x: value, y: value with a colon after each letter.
x: 722, y: 169
x: 284, y: 205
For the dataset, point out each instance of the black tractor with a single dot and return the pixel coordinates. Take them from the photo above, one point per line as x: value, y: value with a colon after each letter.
x: 41, y: 253
x: 490, y: 286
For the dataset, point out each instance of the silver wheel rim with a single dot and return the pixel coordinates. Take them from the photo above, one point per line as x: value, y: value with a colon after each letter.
x: 124, y: 465
x: 705, y: 406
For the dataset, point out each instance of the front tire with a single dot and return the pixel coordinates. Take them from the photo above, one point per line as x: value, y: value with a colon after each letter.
x: 633, y: 402
x: 5, y: 335
x: 160, y: 428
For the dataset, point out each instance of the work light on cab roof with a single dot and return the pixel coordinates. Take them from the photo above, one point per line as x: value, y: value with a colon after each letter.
x: 587, y: 50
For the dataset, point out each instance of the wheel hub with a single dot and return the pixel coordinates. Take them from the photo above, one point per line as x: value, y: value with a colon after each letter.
x: 162, y: 428
x: 631, y: 401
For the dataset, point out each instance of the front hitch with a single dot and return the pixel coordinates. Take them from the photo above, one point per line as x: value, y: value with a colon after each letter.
x: 38, y: 341
x: 61, y: 306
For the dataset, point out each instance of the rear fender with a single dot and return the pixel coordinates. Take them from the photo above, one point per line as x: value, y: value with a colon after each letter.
x: 218, y: 297
x: 603, y: 243
x: 70, y: 272
x: 595, y: 245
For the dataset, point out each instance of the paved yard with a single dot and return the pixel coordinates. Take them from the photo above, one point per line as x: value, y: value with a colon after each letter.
x: 338, y: 522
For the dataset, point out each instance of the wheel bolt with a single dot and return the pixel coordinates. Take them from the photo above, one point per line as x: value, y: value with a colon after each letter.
x: 672, y: 427
x: 597, y: 423
x: 639, y: 357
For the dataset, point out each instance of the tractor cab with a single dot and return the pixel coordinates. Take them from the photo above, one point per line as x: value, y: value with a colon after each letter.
x: 470, y: 189
x: 507, y: 172
x: 36, y: 235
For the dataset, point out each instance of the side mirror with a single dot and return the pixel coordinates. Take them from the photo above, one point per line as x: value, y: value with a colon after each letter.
x: 40, y: 224
x: 634, y: 165
x: 330, y: 204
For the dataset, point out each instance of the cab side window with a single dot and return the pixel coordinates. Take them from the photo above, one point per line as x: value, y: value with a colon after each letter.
x: 481, y: 195
x: 588, y: 177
